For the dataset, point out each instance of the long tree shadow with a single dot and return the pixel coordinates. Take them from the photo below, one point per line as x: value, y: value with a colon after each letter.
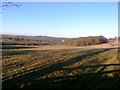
x: 90, y: 66
x: 81, y: 81
x: 7, y: 47
x: 18, y: 52
x: 30, y: 77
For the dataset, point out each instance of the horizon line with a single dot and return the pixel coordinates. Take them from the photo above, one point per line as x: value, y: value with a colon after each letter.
x: 54, y: 36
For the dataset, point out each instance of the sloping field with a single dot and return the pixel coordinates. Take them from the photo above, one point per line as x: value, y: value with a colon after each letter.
x: 61, y: 68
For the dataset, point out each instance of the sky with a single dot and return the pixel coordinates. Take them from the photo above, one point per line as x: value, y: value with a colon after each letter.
x: 62, y: 19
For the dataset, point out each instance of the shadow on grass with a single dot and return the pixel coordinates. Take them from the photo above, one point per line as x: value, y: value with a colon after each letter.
x: 89, y: 80
x: 90, y: 66
x: 9, y: 50
x: 4, y: 47
x: 17, y: 52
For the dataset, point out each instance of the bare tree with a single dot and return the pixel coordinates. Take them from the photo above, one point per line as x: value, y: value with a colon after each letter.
x: 7, y: 4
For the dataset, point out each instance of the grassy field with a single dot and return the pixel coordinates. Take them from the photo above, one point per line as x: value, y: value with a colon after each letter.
x: 60, y: 68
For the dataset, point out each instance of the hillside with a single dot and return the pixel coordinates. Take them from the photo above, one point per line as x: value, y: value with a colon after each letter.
x: 30, y: 40
x: 59, y: 66
x: 46, y: 40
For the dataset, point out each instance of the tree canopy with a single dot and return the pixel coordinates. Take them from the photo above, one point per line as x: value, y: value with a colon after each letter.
x: 85, y: 41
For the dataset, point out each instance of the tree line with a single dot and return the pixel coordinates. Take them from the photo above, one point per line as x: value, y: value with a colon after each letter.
x: 85, y: 41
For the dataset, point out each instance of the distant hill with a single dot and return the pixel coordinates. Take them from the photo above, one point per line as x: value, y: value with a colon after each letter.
x: 48, y: 40
x: 17, y: 39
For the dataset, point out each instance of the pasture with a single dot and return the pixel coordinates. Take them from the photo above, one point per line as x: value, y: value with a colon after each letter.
x: 60, y: 67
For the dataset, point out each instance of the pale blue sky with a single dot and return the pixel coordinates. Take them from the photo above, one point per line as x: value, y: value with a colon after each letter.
x: 62, y: 19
